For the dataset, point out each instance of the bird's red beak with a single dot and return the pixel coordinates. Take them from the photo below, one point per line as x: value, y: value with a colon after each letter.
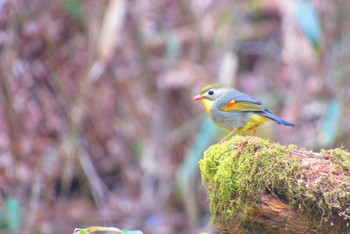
x: 198, y: 97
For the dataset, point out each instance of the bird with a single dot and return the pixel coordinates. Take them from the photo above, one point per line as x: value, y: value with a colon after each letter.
x: 235, y: 111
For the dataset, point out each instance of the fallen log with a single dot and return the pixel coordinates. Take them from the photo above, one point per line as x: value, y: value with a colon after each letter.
x: 255, y: 186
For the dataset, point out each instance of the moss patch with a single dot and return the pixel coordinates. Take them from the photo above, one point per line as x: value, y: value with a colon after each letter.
x: 239, y: 171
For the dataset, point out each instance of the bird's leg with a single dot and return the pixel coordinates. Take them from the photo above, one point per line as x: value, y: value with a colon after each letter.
x: 254, y: 133
x: 227, y: 136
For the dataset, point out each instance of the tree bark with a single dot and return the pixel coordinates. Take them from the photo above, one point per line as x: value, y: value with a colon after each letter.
x: 256, y: 186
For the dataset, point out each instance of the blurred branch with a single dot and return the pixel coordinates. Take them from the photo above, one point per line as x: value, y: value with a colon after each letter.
x: 111, y: 29
x: 35, y: 203
x: 141, y: 48
x: 109, y: 37
x: 98, y: 188
x: 13, y: 123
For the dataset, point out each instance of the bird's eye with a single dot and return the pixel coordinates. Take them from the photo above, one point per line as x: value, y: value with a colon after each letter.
x: 211, y: 92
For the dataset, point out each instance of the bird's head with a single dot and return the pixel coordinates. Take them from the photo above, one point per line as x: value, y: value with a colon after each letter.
x: 210, y: 93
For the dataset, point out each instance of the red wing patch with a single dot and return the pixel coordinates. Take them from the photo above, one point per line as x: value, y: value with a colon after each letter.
x: 231, y: 104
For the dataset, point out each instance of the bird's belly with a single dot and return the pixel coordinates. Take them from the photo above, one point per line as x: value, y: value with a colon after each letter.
x: 254, y: 122
x: 240, y: 122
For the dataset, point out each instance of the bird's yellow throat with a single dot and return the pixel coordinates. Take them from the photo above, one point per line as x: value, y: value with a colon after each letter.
x: 207, y: 104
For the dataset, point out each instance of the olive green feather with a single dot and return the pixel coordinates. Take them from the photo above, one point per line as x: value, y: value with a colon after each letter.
x: 212, y: 86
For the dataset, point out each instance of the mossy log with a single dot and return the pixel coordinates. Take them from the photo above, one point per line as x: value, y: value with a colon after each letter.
x: 256, y: 186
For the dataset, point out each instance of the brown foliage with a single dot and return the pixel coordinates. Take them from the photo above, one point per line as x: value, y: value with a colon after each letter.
x: 96, y: 113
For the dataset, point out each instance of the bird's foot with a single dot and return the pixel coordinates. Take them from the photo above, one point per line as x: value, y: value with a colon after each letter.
x: 226, y: 137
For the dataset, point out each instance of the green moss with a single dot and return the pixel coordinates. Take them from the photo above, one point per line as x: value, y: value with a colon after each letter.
x: 239, y: 171
x: 340, y: 154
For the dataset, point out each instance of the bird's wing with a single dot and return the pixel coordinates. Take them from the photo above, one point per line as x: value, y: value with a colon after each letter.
x: 240, y: 102
x: 243, y: 106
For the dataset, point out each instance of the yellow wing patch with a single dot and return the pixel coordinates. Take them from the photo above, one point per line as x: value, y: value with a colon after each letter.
x: 243, y: 106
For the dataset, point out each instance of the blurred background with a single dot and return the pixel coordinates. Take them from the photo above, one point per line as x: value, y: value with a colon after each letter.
x: 97, y: 122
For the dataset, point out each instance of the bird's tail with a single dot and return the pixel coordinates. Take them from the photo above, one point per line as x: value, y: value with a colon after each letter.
x: 276, y: 119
